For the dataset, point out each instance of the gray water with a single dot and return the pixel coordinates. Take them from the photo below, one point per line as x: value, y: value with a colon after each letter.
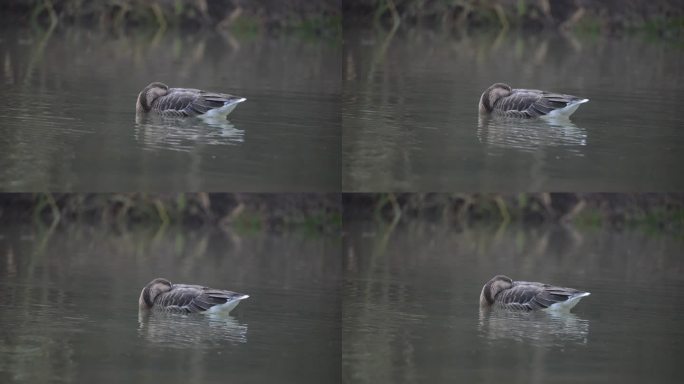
x: 67, y: 112
x: 411, y: 305
x: 410, y: 117
x: 69, y: 306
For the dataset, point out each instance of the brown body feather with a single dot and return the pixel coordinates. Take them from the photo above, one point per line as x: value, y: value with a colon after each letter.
x: 162, y: 294
x: 500, y: 99
x: 502, y: 291
x: 181, y: 102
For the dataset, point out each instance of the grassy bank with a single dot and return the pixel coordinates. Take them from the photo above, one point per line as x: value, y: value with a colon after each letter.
x: 314, y: 17
x: 664, y: 17
x: 652, y: 212
x: 245, y: 212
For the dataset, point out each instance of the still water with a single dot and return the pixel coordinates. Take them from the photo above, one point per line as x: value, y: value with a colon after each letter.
x: 410, y: 118
x: 411, y: 305
x: 67, y: 112
x: 69, y: 306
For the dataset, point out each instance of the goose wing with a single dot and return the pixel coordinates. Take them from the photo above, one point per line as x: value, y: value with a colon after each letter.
x: 531, y: 296
x: 533, y: 103
x: 195, y: 298
x: 191, y: 102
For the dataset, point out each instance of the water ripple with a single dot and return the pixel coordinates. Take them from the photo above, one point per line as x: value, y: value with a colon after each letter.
x: 529, y: 135
x: 190, y: 331
x: 155, y: 132
x: 539, y: 328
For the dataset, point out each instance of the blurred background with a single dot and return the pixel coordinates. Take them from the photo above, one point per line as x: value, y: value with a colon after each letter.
x: 659, y: 16
x: 320, y: 17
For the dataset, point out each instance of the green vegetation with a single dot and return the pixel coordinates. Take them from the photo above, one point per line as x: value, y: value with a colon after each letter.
x: 247, y: 213
x: 652, y: 213
x: 663, y: 17
x: 322, y: 213
x: 309, y: 17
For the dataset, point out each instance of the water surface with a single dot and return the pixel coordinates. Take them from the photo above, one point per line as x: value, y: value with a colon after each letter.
x: 411, y: 124
x: 67, y: 112
x: 69, y: 312
x: 411, y: 305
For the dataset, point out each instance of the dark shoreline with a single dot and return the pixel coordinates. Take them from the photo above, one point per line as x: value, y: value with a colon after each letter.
x: 660, y: 17
x: 663, y: 18
x: 321, y: 18
x: 325, y: 213
x: 658, y: 212
x: 252, y: 212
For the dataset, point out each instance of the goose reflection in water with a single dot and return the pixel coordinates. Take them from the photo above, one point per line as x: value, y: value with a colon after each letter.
x: 537, y: 327
x: 193, y: 330
x: 529, y: 135
x: 159, y: 132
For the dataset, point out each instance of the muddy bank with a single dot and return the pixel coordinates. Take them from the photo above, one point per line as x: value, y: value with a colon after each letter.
x: 664, y: 17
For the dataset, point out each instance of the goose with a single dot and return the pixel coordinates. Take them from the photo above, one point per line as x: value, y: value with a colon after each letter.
x: 163, y: 295
x: 184, y: 102
x: 502, y: 100
x: 502, y: 292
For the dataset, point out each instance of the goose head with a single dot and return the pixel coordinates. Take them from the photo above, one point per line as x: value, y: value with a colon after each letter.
x: 149, y: 94
x: 491, y: 95
x: 151, y: 291
x: 497, y: 284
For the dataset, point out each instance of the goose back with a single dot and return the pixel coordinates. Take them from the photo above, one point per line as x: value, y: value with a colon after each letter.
x: 501, y: 291
x: 185, y: 298
x: 184, y: 102
x: 502, y: 100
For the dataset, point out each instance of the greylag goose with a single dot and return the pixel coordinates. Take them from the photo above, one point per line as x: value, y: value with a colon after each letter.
x: 183, y: 298
x: 502, y: 100
x: 502, y: 292
x: 184, y: 102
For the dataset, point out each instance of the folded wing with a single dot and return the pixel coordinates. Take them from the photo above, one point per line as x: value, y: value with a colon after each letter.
x: 192, y: 102
x: 533, y: 103
x: 533, y: 296
x: 195, y: 298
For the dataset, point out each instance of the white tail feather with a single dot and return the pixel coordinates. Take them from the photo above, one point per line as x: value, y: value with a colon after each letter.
x: 566, y: 111
x: 227, y: 306
x: 222, y: 112
x: 568, y: 304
